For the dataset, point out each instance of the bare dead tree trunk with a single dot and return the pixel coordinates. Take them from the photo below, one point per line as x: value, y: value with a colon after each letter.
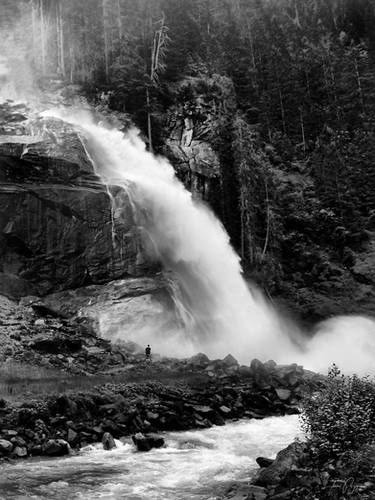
x: 268, y: 222
x: 333, y: 83
x: 105, y: 36
x: 119, y: 20
x: 282, y: 107
x: 43, y: 37
x: 60, y: 38
x: 242, y: 212
x: 359, y: 85
x: 302, y: 129
x: 72, y: 64
x: 308, y: 83
x: 149, y: 122
x: 158, y: 46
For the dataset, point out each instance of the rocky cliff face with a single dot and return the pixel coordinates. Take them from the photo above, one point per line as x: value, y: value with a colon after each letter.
x: 57, y: 229
x: 193, y: 157
x: 60, y: 237
x: 300, y: 250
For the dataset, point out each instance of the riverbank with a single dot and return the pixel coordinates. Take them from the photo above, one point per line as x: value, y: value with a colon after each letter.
x: 213, y: 393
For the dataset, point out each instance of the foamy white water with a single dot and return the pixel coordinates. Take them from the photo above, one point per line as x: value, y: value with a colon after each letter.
x: 197, y: 465
x: 220, y: 313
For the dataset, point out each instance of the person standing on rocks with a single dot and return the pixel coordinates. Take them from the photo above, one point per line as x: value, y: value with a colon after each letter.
x: 148, y: 353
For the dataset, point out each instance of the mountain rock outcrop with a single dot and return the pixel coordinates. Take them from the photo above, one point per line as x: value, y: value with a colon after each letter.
x: 57, y: 228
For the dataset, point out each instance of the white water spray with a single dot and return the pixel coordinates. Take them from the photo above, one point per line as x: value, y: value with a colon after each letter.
x: 221, y: 314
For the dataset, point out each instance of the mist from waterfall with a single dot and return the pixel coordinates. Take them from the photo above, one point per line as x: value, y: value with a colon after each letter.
x: 221, y: 314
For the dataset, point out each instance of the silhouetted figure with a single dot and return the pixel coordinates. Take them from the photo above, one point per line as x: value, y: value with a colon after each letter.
x: 148, y: 353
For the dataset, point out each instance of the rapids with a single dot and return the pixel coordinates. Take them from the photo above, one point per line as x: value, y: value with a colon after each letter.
x: 198, y: 465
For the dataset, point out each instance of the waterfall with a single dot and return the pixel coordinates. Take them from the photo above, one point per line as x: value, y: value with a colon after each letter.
x: 220, y: 312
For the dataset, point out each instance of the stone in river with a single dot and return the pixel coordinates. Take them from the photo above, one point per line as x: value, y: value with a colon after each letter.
x: 147, y: 442
x: 56, y: 448
x: 283, y: 463
x: 72, y: 436
x: 20, y: 452
x: 108, y: 441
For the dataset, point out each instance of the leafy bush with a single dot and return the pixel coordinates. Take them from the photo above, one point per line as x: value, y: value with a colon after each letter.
x: 340, y: 417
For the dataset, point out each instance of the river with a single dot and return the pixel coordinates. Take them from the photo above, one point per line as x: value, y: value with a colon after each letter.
x: 196, y: 465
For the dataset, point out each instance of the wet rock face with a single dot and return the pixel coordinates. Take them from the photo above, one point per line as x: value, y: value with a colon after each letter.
x: 188, y: 133
x: 56, y: 226
x: 120, y: 309
x: 195, y: 160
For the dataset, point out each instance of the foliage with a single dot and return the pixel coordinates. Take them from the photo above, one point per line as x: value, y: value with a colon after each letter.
x: 282, y: 90
x: 339, y: 419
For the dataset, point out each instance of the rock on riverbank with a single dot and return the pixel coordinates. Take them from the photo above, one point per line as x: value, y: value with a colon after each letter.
x: 148, y: 407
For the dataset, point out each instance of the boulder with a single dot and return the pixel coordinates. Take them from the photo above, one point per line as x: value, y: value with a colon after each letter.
x: 108, y: 441
x: 264, y: 462
x: 200, y: 360
x: 256, y: 493
x: 283, y: 394
x: 217, y: 419
x: 56, y: 448
x: 203, y: 410
x: 15, y: 287
x: 72, y: 437
x: 248, y: 492
x: 104, y: 309
x: 145, y: 442
x: 36, y: 450
x: 225, y: 410
x: 18, y: 441
x: 9, y: 433
x: 245, y: 371
x: 57, y: 345
x: 230, y: 361
x: 5, y: 447
x: 19, y: 452
x: 152, y: 416
x: 270, y: 365
x: 260, y: 373
x: 286, y: 459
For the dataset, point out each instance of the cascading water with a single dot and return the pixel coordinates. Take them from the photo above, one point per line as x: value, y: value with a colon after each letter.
x: 219, y: 311
x: 218, y: 308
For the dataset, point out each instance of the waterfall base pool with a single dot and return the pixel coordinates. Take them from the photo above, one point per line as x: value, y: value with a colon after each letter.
x: 197, y: 465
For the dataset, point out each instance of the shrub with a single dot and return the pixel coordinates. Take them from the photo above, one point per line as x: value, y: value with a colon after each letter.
x: 339, y: 418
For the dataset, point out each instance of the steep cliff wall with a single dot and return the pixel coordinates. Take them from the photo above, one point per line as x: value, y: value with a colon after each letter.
x: 57, y: 227
x: 311, y: 257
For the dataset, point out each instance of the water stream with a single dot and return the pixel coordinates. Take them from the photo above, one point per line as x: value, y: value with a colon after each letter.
x: 195, y: 465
